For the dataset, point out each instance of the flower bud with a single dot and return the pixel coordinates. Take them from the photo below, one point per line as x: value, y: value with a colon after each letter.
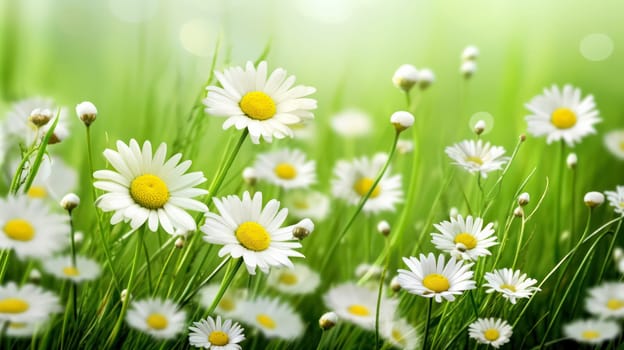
x: 70, y: 201
x: 572, y: 160
x: 425, y: 78
x: 518, y: 212
x: 479, y: 127
x: 78, y: 237
x: 383, y: 227
x: 34, y: 276
x: 523, y: 199
x: 86, y: 112
x: 405, y: 77
x: 249, y: 175
x: 303, y: 229
x: 394, y: 284
x: 593, y: 199
x: 328, y: 320
x: 453, y: 212
x: 470, y: 53
x: 402, y: 120
x: 179, y: 243
x: 40, y: 117
x: 468, y: 68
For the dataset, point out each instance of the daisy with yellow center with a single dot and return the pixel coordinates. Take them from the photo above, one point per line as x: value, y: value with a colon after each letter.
x: 492, y: 331
x: 352, y: 123
x: 26, y: 304
x: 606, y: 300
x: 614, y: 142
x: 297, y: 281
x: 62, y: 267
x: 215, y: 334
x: 561, y: 114
x: 54, y: 179
x: 147, y: 189
x: 267, y: 107
x: 616, y: 199
x: 357, y: 304
x: 159, y: 318
x: 247, y: 230
x: 307, y: 204
x: 477, y: 157
x: 353, y: 180
x: 436, y: 279
x: 286, y: 168
x: 512, y: 285
x: 273, y: 318
x: 400, y: 334
x: 591, y: 331
x: 230, y: 304
x: 28, y: 228
x: 464, y: 239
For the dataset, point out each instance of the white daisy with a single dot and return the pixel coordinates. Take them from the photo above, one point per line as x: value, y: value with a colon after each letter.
x: 606, y: 300
x: 30, y: 229
x: 265, y: 106
x: 230, y: 304
x: 247, y: 230
x: 299, y: 280
x: 352, y: 180
x: 146, y: 188
x: 616, y: 199
x: 491, y: 331
x: 286, y: 168
x: 54, y: 179
x: 61, y: 267
x: 562, y: 115
x: 159, y: 318
x: 614, y: 141
x: 511, y: 284
x: 24, y: 330
x: 358, y: 304
x: 438, y: 280
x: 216, y: 335
x: 467, y: 239
x: 400, y: 334
x: 474, y: 156
x: 19, y: 129
x: 26, y: 304
x: 591, y: 331
x: 273, y: 318
x: 307, y: 204
x: 352, y: 123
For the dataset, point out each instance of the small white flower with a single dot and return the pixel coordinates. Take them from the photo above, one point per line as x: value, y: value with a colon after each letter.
x: 510, y: 284
x: 400, y: 334
x: 464, y: 239
x: 591, y: 331
x: 572, y: 161
x: 273, y: 318
x: 19, y: 128
x: 286, y: 168
x: 62, y: 267
x: 431, y: 279
x: 26, y: 304
x: 405, y: 77
x: 470, y: 53
x: 328, y: 320
x: 562, y: 115
x: 616, y: 199
x: 614, y: 141
x: 468, y: 68
x: 352, y: 123
x: 425, y: 78
x: 606, y: 300
x: 86, y: 112
x: 297, y: 281
x: 474, y: 156
x: 402, y: 120
x: 216, y: 335
x: 492, y: 331
x: 159, y: 318
x: 523, y: 199
x: 593, y: 199
x: 307, y: 204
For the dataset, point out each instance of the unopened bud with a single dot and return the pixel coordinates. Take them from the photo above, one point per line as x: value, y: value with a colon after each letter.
x: 453, y: 212
x: 425, y: 78
x: 402, y: 120
x: 394, y: 284
x: 40, y: 117
x: 78, y: 237
x: 70, y: 201
x: 593, y: 199
x: 522, y: 137
x: 123, y: 295
x: 383, y: 227
x: 618, y: 254
x: 86, y: 112
x: 34, y: 276
x: 328, y: 320
x: 303, y: 229
x: 523, y: 199
x: 470, y: 53
x: 468, y: 68
x: 179, y: 243
x: 479, y: 127
x: 249, y: 175
x: 405, y: 77
x: 572, y: 160
x: 518, y: 212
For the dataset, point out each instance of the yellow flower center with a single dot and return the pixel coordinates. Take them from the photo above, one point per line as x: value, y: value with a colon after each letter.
x: 301, y: 204
x: 363, y: 185
x: 13, y: 306
x: 285, y: 171
x: 157, y: 321
x: 590, y: 334
x: 398, y: 337
x: 436, y: 282
x: 253, y: 236
x: 19, y: 230
x: 358, y: 310
x: 615, y: 304
x: 266, y: 321
x: 227, y: 304
x: 491, y: 334
x: 70, y: 271
x: 509, y: 287
x: 17, y: 325
x: 475, y: 159
x: 37, y: 192
x: 622, y: 145
x: 469, y: 241
x: 288, y: 278
x: 218, y: 338
x: 258, y: 105
x: 563, y: 118
x: 149, y: 191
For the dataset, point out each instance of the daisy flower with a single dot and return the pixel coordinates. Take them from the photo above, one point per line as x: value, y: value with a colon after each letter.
x: 159, y: 318
x: 616, y: 199
x: 562, y: 115
x: 511, y: 284
x: 61, y: 267
x: 54, y: 179
x: 247, y: 230
x: 28, y: 227
x: 299, y: 280
x: 216, y: 335
x: 264, y: 106
x: 358, y: 304
x: 438, y: 280
x: 491, y: 331
x: 400, y: 334
x: 614, y: 141
x: 352, y: 181
x: 352, y: 123
x: 19, y: 128
x: 464, y: 239
x: 286, y: 168
x: 474, y: 156
x: 24, y: 330
x: 26, y: 304
x: 230, y: 304
x: 146, y: 188
x: 606, y: 300
x: 591, y: 331
x: 273, y: 318
x: 307, y: 204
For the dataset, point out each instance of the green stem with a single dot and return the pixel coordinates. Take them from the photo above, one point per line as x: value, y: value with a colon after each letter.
x: 427, y: 325
x: 380, y: 291
x: 206, y: 281
x: 519, y: 244
x: 164, y: 269
x: 558, y: 201
x: 227, y: 280
x: 149, y: 267
x: 73, y: 259
x: 608, y: 256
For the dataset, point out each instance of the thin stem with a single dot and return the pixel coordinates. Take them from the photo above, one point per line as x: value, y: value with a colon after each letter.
x: 380, y: 291
x: 149, y: 266
x: 223, y: 170
x: 205, y: 281
x: 224, y: 286
x: 519, y: 244
x: 427, y: 325
x: 164, y: 268
x: 475, y: 308
x: 73, y: 259
x: 558, y: 201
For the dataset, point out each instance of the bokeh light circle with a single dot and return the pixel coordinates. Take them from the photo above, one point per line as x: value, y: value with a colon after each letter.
x: 596, y: 47
x: 195, y: 37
